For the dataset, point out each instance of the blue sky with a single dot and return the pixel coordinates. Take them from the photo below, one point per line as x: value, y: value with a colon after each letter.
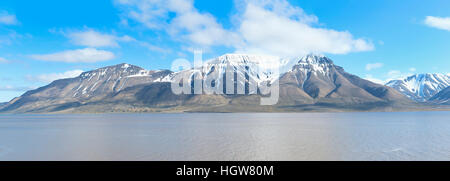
x: 379, y: 40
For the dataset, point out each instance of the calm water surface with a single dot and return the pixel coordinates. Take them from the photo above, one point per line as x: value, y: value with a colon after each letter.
x: 259, y: 136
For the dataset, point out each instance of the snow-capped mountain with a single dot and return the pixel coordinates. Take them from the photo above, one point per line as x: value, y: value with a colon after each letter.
x: 312, y: 82
x: 262, y: 68
x: 92, y: 85
x: 247, y: 69
x: 313, y: 64
x: 259, y: 68
x: 421, y: 87
x: 315, y: 78
x: 115, y: 78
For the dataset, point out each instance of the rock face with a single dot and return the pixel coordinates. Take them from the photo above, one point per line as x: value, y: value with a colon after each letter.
x: 308, y: 83
x: 442, y: 97
x: 421, y: 87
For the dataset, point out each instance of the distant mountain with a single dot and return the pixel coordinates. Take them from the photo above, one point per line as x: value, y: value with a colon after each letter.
x: 442, y: 97
x: 310, y: 83
x: 421, y: 87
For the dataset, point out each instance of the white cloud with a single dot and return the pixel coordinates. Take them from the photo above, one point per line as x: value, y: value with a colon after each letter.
x: 276, y: 27
x: 3, y: 60
x: 8, y: 19
x: 47, y: 78
x: 389, y: 76
x: 155, y: 48
x: 397, y: 75
x: 412, y: 69
x: 154, y: 13
x: 438, y: 22
x: 188, y: 25
x: 12, y: 37
x: 372, y: 66
x: 126, y: 38
x: 91, y: 38
x: 262, y: 26
x: 14, y: 88
x: 87, y: 55
x: 372, y: 79
x: 202, y: 30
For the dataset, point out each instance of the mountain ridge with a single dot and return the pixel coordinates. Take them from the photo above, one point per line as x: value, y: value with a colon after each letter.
x: 313, y: 83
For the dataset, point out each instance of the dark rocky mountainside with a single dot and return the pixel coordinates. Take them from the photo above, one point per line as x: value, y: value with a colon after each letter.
x: 442, y: 97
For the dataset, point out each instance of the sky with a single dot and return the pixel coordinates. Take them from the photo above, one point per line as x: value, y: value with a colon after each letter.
x: 41, y: 41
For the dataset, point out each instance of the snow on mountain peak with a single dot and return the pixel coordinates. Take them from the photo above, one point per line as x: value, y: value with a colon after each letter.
x: 259, y: 67
x: 421, y: 87
x: 316, y: 64
x: 270, y: 62
x: 263, y: 68
x: 125, y: 66
x: 315, y: 59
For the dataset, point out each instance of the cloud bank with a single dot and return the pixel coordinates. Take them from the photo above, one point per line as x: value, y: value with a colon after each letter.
x: 87, y: 55
x: 47, y: 78
x: 372, y: 66
x: 442, y: 23
x: 262, y: 26
x: 14, y: 88
x: 91, y: 38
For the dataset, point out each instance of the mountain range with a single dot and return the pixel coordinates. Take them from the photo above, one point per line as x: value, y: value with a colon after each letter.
x: 309, y: 83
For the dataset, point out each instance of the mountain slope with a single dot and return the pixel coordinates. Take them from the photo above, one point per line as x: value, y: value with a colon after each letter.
x: 442, y: 97
x: 421, y: 87
x: 317, y: 79
x: 2, y: 104
x: 89, y: 86
x: 312, y: 83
